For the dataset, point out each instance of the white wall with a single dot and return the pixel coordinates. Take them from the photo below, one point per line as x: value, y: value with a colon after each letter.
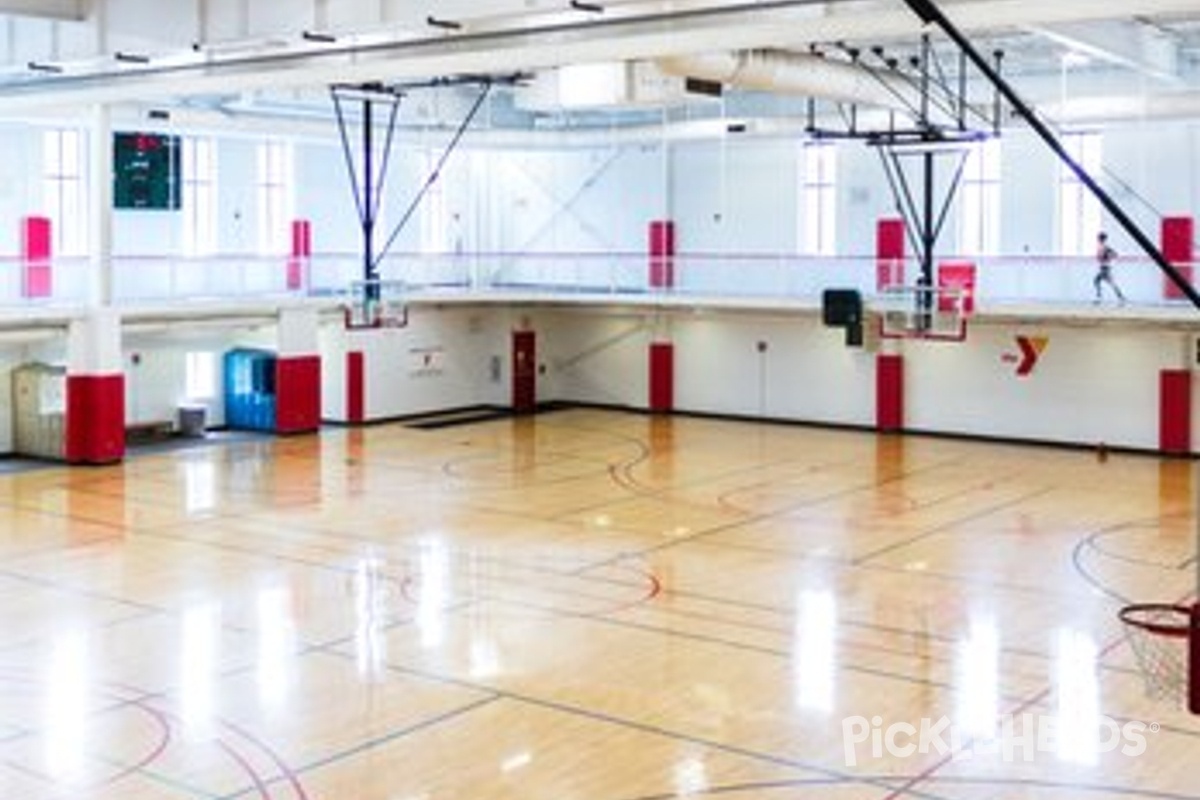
x: 736, y: 195
x: 1091, y: 385
x: 442, y: 359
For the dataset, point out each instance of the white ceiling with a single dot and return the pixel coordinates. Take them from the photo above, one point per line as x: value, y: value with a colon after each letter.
x: 1055, y: 50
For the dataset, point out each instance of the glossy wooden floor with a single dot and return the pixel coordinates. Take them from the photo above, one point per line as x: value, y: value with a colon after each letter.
x: 585, y: 605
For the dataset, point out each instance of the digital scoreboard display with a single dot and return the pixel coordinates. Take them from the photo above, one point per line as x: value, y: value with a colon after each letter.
x: 146, y: 171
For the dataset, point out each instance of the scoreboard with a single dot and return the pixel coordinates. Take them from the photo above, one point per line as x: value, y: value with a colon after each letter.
x: 146, y: 171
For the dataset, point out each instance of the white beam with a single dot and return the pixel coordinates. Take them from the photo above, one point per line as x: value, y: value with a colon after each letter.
x: 70, y: 10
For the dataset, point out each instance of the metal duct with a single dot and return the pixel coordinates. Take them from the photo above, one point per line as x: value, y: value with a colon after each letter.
x: 798, y: 73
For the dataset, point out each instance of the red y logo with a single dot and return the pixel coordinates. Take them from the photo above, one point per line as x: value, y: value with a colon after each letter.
x: 1032, y: 348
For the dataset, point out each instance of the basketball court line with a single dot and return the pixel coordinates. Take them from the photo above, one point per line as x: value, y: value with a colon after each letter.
x: 949, y: 525
x: 890, y: 784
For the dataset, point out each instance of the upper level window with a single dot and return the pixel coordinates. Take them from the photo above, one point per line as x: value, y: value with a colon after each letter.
x: 275, y: 198
x: 819, y: 199
x: 1079, y: 210
x: 199, y: 197
x: 64, y: 190
x: 979, y: 220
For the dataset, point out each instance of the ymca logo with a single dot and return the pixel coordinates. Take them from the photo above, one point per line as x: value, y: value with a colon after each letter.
x: 1031, y: 349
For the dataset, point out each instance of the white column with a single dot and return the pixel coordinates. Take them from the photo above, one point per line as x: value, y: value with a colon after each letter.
x: 299, y: 332
x: 100, y: 190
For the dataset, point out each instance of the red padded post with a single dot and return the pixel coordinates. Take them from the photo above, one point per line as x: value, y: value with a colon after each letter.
x: 298, y: 261
x: 355, y: 387
x: 889, y: 392
x: 95, y: 422
x: 889, y: 252
x: 662, y: 254
x: 1176, y: 242
x: 297, y: 394
x: 662, y: 376
x: 1175, y: 411
x: 36, y: 264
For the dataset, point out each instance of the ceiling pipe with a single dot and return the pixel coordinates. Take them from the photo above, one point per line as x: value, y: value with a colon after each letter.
x: 804, y: 74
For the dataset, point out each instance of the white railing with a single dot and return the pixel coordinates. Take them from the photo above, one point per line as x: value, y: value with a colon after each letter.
x: 1030, y: 279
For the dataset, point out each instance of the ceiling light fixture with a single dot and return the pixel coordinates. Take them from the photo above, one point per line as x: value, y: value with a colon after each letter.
x: 591, y: 8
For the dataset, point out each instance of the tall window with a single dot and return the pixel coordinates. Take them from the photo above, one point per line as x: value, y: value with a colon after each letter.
x: 64, y: 190
x: 434, y: 225
x: 979, y: 221
x: 819, y: 199
x: 200, y: 376
x: 275, y: 209
x: 199, y: 197
x: 1079, y: 211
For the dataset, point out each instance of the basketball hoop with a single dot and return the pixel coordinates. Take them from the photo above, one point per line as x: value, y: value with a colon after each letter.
x: 935, y: 313
x: 1159, y: 634
x: 375, y: 304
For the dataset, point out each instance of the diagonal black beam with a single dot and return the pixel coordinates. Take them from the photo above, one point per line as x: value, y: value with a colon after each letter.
x: 930, y: 14
x: 433, y: 175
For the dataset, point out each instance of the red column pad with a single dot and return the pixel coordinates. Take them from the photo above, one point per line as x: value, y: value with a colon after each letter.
x: 95, y: 425
x: 355, y: 386
x: 662, y: 376
x: 889, y: 392
x: 1175, y: 411
x: 889, y: 252
x: 662, y: 254
x: 297, y: 394
x: 301, y: 253
x: 1176, y: 242
x: 35, y: 257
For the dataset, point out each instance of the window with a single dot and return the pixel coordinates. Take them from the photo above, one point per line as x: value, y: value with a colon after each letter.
x: 275, y: 207
x: 979, y: 220
x: 201, y: 376
x: 819, y: 199
x: 199, y: 197
x: 64, y: 190
x: 434, y: 224
x: 1079, y: 211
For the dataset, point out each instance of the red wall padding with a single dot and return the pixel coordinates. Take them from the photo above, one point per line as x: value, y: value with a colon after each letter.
x: 355, y: 387
x: 889, y: 252
x: 662, y: 376
x: 957, y: 275
x: 1175, y: 411
x: 889, y: 392
x: 662, y: 254
x: 297, y: 394
x: 95, y: 424
x: 1176, y: 244
x: 36, y: 264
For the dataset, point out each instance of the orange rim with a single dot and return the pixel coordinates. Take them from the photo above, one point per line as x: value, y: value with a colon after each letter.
x: 1141, y: 615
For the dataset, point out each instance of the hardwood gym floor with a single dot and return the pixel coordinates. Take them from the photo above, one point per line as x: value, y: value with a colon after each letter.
x: 589, y: 605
